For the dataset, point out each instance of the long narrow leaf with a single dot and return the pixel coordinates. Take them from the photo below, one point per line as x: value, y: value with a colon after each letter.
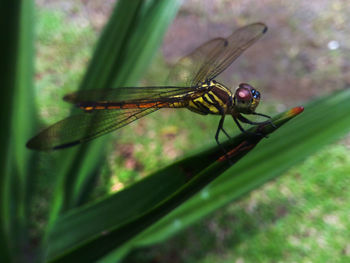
x: 119, y: 47
x: 323, y: 121
x: 9, y: 25
x: 17, y: 119
x: 148, y: 200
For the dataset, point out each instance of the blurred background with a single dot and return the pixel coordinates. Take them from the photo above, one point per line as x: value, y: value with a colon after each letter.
x: 302, y: 216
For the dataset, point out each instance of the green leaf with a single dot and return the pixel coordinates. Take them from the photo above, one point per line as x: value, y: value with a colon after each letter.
x: 323, y: 121
x: 124, y: 50
x: 147, y: 201
x: 273, y: 156
x: 17, y: 119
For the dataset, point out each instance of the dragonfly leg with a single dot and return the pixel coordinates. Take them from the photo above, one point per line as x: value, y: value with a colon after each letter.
x: 220, y: 127
x: 221, y: 123
x: 266, y: 116
x: 245, y: 120
x: 260, y: 114
x: 239, y: 125
x: 225, y: 132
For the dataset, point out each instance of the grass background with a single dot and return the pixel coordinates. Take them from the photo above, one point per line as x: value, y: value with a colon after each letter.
x: 302, y: 216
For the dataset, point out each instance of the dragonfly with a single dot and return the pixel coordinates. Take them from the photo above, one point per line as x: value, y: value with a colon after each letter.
x: 106, y: 110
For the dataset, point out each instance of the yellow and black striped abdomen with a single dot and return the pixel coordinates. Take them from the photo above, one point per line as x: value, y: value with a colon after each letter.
x: 216, y: 101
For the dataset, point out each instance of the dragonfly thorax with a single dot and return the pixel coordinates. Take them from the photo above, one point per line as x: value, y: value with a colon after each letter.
x: 246, y: 98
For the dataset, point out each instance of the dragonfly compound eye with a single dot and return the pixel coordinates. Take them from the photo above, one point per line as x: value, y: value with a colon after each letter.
x: 244, y: 94
x: 246, y: 98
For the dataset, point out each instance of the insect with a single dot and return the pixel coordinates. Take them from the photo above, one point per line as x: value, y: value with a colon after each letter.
x: 106, y: 110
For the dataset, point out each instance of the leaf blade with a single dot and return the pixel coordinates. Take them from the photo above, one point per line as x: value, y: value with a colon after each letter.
x: 147, y: 204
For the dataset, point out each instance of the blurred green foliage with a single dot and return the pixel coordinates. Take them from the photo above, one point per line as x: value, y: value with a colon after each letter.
x: 301, y: 215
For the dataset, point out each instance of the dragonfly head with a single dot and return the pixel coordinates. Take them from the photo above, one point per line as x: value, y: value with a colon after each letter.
x: 246, y: 98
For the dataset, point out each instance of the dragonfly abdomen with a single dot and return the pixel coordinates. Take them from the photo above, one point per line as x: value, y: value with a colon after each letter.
x: 105, y: 105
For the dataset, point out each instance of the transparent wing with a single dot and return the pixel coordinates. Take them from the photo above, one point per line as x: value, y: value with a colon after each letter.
x: 213, y: 57
x: 239, y: 41
x: 84, y: 127
x: 129, y: 94
x: 187, y: 68
x: 109, y: 109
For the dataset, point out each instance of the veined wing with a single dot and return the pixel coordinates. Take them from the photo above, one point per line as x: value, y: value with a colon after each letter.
x: 239, y: 41
x: 133, y: 98
x: 187, y: 68
x: 127, y: 104
x: 213, y: 57
x: 84, y: 127
x: 131, y: 94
